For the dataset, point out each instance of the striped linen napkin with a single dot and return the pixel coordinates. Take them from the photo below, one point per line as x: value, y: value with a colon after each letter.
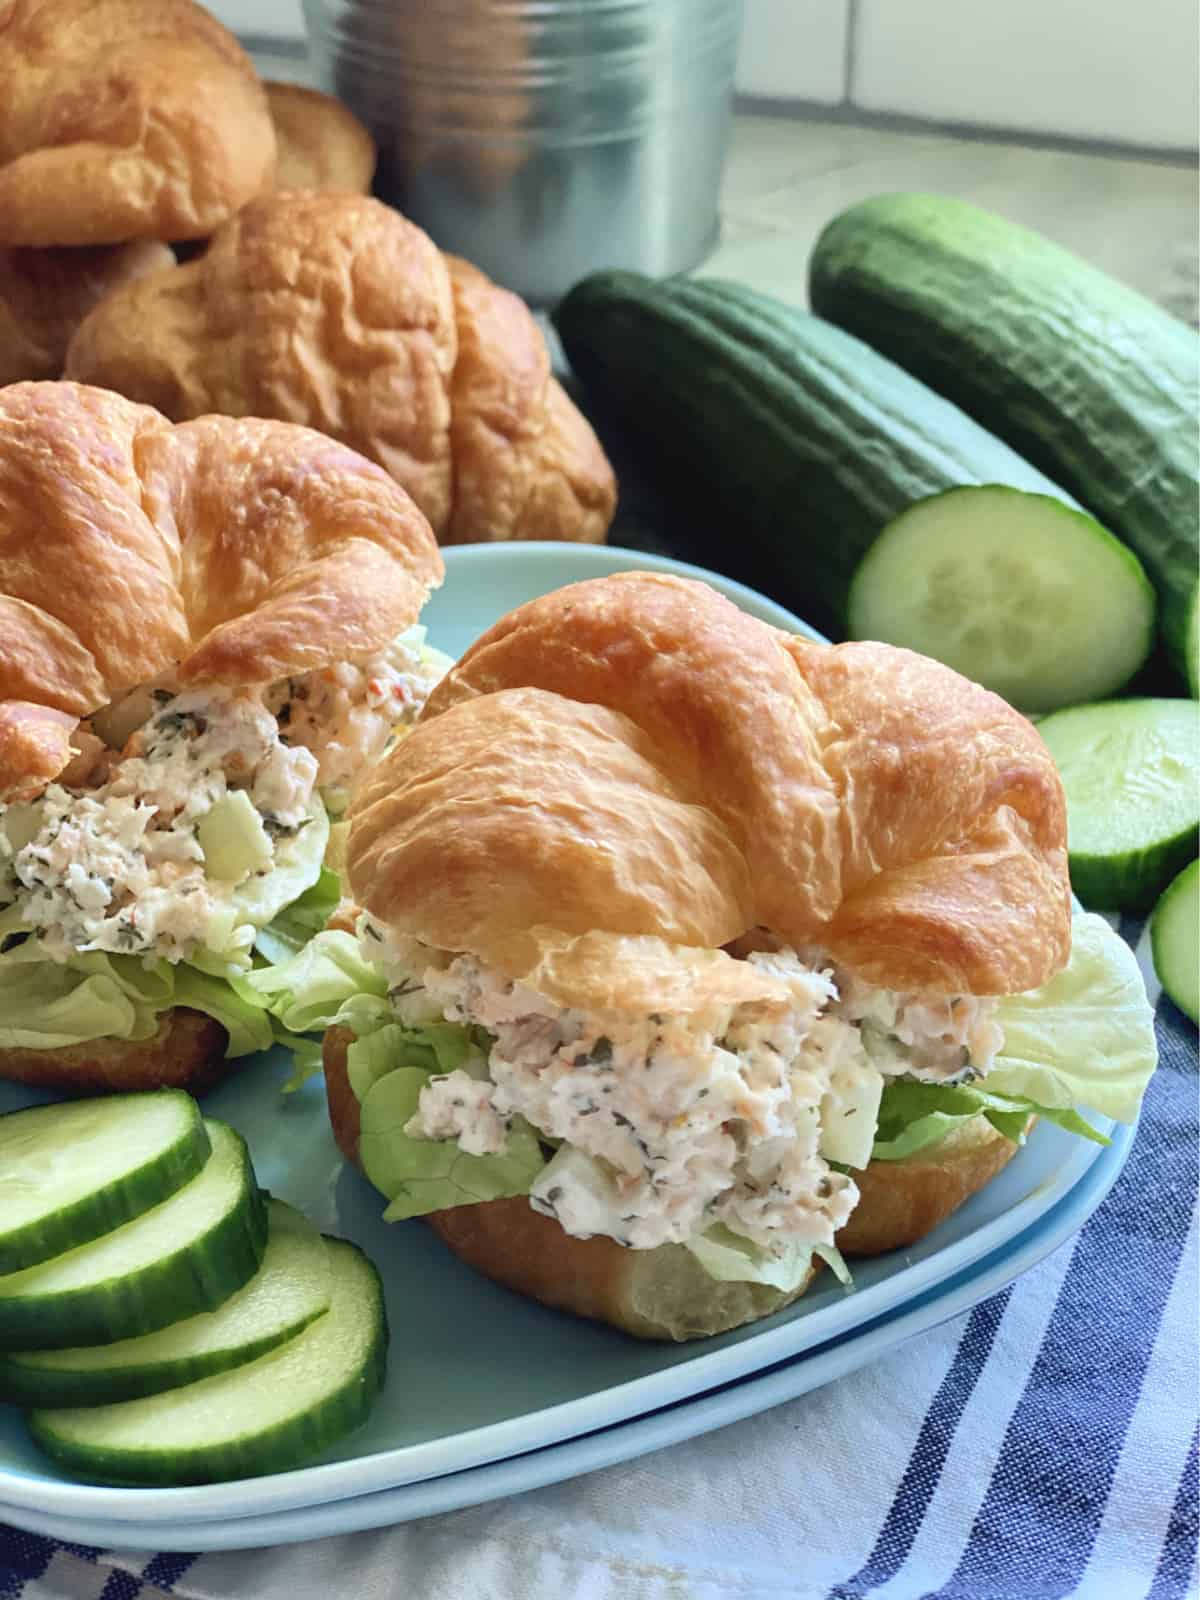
x: 1039, y: 1447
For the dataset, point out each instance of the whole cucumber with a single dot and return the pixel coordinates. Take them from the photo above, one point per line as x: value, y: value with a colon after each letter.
x: 1086, y: 378
x: 785, y: 445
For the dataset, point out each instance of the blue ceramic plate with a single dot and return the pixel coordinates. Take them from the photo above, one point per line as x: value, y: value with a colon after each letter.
x: 605, y: 1447
x: 479, y: 1376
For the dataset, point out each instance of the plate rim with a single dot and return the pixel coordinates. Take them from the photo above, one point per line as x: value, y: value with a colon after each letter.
x: 392, y: 1468
x: 466, y: 556
x: 488, y: 1443
x: 650, y: 1431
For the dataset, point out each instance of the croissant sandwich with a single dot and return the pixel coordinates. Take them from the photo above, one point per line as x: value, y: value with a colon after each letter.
x: 690, y: 950
x: 206, y: 631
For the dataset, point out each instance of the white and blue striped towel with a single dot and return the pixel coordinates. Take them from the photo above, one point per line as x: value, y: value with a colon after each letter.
x: 1041, y: 1446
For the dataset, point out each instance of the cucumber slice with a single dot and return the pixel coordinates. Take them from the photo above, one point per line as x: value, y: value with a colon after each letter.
x: 273, y: 1414
x: 1018, y: 591
x: 188, y: 1254
x: 1131, y: 771
x: 69, y: 1173
x: 290, y: 1290
x: 1175, y: 940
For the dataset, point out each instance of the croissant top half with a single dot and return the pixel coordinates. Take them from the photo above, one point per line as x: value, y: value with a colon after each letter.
x: 633, y: 763
x: 230, y: 551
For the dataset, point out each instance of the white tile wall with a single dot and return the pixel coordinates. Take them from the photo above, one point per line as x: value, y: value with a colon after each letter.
x: 794, y: 50
x: 1100, y: 69
x: 1093, y: 69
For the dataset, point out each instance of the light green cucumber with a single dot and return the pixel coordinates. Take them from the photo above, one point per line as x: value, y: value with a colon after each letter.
x: 187, y: 1254
x: 1175, y: 940
x: 275, y: 1413
x: 1018, y: 591
x: 1086, y: 378
x: 71, y: 1172
x: 289, y: 1291
x: 1131, y: 771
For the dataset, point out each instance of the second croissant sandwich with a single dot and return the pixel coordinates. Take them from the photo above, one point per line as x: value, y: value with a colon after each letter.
x: 205, y: 632
x: 691, y: 950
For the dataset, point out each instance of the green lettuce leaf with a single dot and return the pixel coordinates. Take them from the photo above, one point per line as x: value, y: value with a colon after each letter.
x: 422, y: 1175
x: 45, y: 1005
x: 305, y: 1051
x: 248, y: 1025
x: 913, y: 1115
x: 435, y: 1048
x: 310, y: 991
x: 287, y: 933
x: 729, y: 1258
x: 48, y: 1005
x: 1086, y: 1038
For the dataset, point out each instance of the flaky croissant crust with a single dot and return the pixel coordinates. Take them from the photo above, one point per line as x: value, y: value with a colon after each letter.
x: 227, y: 551
x: 334, y: 311
x: 320, y: 143
x: 125, y: 119
x: 636, y: 759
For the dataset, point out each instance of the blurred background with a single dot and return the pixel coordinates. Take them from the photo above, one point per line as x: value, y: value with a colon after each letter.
x: 1075, y: 117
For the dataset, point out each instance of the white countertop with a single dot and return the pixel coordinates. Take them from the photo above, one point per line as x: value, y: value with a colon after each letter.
x: 786, y: 177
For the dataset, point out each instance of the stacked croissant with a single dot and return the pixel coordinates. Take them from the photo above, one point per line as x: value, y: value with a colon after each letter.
x: 129, y: 126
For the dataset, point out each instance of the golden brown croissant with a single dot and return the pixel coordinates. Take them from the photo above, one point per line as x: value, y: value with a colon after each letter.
x: 142, y: 563
x: 637, y: 835
x: 232, y: 552
x: 698, y: 774
x: 320, y: 143
x: 45, y: 295
x: 334, y: 311
x: 125, y: 119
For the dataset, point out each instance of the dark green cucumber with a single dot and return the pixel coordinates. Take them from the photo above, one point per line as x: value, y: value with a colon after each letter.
x: 275, y: 1413
x: 290, y: 1290
x: 71, y: 1172
x: 788, y: 443
x: 1086, y: 378
x: 187, y: 1254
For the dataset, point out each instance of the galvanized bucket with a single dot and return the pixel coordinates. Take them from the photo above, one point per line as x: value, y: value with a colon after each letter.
x: 542, y: 139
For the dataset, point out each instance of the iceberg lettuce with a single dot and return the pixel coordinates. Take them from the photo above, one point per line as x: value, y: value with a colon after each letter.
x: 310, y: 991
x: 913, y: 1115
x: 388, y: 1070
x: 48, y: 1005
x: 291, y: 929
x: 1086, y: 1038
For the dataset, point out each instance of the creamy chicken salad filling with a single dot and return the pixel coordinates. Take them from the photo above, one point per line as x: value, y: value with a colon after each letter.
x: 741, y: 1115
x: 345, y: 714
x: 178, y: 826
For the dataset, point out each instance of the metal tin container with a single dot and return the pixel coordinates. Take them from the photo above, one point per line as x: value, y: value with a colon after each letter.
x: 542, y: 139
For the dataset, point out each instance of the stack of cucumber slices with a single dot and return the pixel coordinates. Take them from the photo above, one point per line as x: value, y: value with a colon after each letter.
x: 162, y: 1319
